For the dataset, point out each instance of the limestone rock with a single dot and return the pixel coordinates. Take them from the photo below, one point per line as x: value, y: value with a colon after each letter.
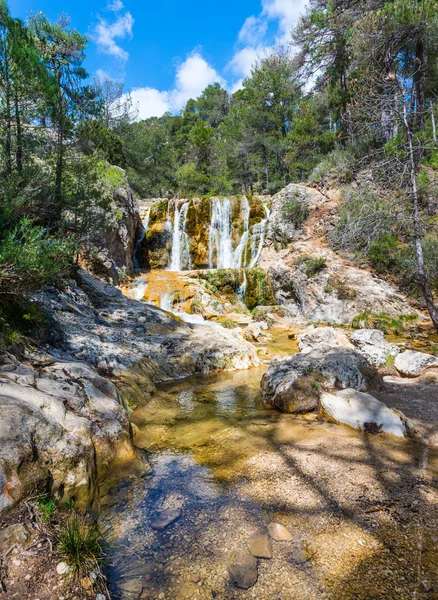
x: 283, y: 385
x: 279, y: 533
x: 166, y: 518
x: 260, y: 544
x: 372, y: 345
x: 360, y: 411
x: 327, y: 337
x: 243, y: 569
x: 69, y: 428
x: 412, y: 363
x: 255, y: 332
x: 12, y: 534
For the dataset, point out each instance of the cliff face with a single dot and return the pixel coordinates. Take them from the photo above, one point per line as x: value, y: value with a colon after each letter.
x: 111, y: 259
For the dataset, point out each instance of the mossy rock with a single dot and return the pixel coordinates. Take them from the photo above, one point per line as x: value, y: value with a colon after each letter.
x: 259, y: 290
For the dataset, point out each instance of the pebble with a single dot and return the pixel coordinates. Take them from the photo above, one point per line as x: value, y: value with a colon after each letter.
x: 166, y: 518
x: 260, y: 544
x: 279, y: 533
x: 100, y: 597
x: 62, y: 568
x: 243, y: 569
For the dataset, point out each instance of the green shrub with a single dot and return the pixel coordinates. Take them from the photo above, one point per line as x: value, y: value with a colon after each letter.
x: 228, y: 324
x: 295, y: 210
x: 197, y: 307
x: 313, y: 266
x: 382, y: 252
x: 82, y: 545
x: 338, y: 166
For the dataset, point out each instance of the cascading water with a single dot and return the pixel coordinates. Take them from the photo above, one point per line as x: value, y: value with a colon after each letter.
x: 180, y: 258
x: 258, y: 237
x: 220, y: 239
x: 239, y: 252
x: 241, y: 291
x: 144, y: 231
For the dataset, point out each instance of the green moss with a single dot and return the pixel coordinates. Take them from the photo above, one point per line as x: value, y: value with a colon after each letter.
x: 383, y: 321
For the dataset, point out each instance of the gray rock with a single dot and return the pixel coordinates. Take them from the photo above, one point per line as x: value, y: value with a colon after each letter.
x: 372, y: 345
x: 243, y: 569
x: 12, y: 534
x: 322, y: 337
x: 279, y: 533
x: 260, y: 544
x: 288, y: 383
x: 62, y: 568
x: 359, y: 410
x: 166, y: 518
x: 412, y: 363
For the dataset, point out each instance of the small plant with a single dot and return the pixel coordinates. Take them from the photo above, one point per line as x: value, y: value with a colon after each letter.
x: 295, y: 210
x: 82, y: 545
x: 390, y: 360
x: 46, y: 506
x: 383, y: 321
x: 313, y: 266
x: 228, y: 324
x: 197, y: 307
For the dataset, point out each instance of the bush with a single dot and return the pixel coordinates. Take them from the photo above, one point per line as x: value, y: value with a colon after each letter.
x: 46, y: 507
x: 337, y: 166
x: 29, y: 258
x: 295, y: 210
x: 382, y: 252
x: 383, y: 321
x: 313, y: 266
x: 82, y: 545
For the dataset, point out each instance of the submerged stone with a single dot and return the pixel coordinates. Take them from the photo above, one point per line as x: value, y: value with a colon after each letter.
x: 260, y: 544
x: 243, y: 569
x: 279, y: 533
x: 166, y: 518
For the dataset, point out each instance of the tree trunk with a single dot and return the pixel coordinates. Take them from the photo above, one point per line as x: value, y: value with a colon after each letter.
x: 59, y: 156
x: 419, y: 83
x: 19, y: 132
x: 422, y: 275
x: 432, y: 115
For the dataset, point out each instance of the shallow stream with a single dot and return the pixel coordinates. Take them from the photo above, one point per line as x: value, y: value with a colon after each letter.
x: 361, y: 508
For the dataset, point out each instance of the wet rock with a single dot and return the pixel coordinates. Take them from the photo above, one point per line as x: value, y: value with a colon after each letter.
x: 361, y: 411
x: 166, y: 518
x: 13, y: 534
x: 260, y: 544
x: 412, y: 363
x: 243, y: 569
x: 255, y: 332
x: 299, y: 554
x: 279, y: 533
x: 372, y: 345
x: 294, y: 383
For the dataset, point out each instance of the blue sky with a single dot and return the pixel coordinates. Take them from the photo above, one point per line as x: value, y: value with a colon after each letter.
x: 167, y: 51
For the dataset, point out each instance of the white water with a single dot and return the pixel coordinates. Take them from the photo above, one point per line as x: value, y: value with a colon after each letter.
x: 220, y: 239
x: 141, y: 238
x: 137, y: 289
x: 258, y: 237
x: 241, y: 292
x: 239, y: 252
x: 180, y: 258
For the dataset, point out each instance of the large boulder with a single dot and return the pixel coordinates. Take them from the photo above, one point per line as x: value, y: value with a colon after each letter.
x: 363, y: 411
x: 411, y: 363
x: 322, y: 337
x: 372, y: 345
x: 294, y: 383
x: 62, y: 427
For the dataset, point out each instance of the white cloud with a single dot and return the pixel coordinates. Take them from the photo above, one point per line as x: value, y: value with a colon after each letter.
x: 150, y: 102
x: 107, y: 33
x: 253, y: 31
x: 243, y: 60
x: 287, y: 12
x: 115, y: 5
x: 192, y: 77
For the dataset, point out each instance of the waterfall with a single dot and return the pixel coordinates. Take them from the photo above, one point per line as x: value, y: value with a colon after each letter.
x: 220, y: 234
x: 239, y: 252
x: 166, y: 301
x: 144, y: 231
x: 180, y: 240
x: 258, y: 237
x: 241, y: 291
